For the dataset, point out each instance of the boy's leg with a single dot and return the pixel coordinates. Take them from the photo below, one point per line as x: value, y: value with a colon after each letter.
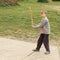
x: 46, y: 42
x: 40, y: 41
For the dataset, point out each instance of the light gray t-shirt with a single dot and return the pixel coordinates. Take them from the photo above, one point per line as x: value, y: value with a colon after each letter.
x: 44, y: 24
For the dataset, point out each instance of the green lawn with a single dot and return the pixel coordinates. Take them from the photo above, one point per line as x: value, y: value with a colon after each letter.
x: 15, y: 20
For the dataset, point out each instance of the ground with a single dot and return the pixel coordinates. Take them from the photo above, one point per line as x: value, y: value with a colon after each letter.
x: 11, y: 49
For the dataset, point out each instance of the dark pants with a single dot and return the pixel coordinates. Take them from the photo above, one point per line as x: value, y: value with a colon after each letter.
x: 44, y: 38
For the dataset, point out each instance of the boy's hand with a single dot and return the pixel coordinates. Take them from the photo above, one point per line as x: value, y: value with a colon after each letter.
x: 33, y: 25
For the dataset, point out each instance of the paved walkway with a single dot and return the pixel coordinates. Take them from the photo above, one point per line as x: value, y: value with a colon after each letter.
x: 19, y: 50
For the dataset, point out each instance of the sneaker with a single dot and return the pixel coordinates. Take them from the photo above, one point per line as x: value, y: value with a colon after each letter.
x: 36, y: 50
x: 47, y: 52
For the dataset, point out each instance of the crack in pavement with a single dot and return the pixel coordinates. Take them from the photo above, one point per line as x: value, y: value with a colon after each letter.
x: 28, y: 55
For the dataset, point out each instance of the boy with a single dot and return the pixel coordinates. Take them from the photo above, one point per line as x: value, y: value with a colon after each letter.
x: 45, y: 31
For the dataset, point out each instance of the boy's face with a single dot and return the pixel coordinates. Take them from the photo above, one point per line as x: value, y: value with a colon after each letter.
x: 43, y: 14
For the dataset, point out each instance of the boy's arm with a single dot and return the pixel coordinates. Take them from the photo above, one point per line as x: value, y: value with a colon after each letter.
x: 42, y: 24
x: 35, y: 26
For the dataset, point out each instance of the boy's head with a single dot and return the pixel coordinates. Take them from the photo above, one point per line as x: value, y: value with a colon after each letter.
x: 43, y: 13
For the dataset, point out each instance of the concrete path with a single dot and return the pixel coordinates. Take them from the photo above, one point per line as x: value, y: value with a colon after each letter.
x: 20, y: 50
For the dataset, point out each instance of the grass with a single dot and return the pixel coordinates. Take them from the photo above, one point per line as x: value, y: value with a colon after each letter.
x: 15, y: 20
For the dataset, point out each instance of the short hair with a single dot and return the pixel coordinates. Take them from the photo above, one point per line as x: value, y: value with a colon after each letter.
x: 43, y: 11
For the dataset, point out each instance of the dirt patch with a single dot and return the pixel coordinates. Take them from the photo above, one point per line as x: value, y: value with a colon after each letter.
x: 53, y: 7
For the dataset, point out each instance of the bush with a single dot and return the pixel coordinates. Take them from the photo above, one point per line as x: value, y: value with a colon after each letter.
x: 8, y: 2
x: 44, y: 0
x: 56, y: 0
